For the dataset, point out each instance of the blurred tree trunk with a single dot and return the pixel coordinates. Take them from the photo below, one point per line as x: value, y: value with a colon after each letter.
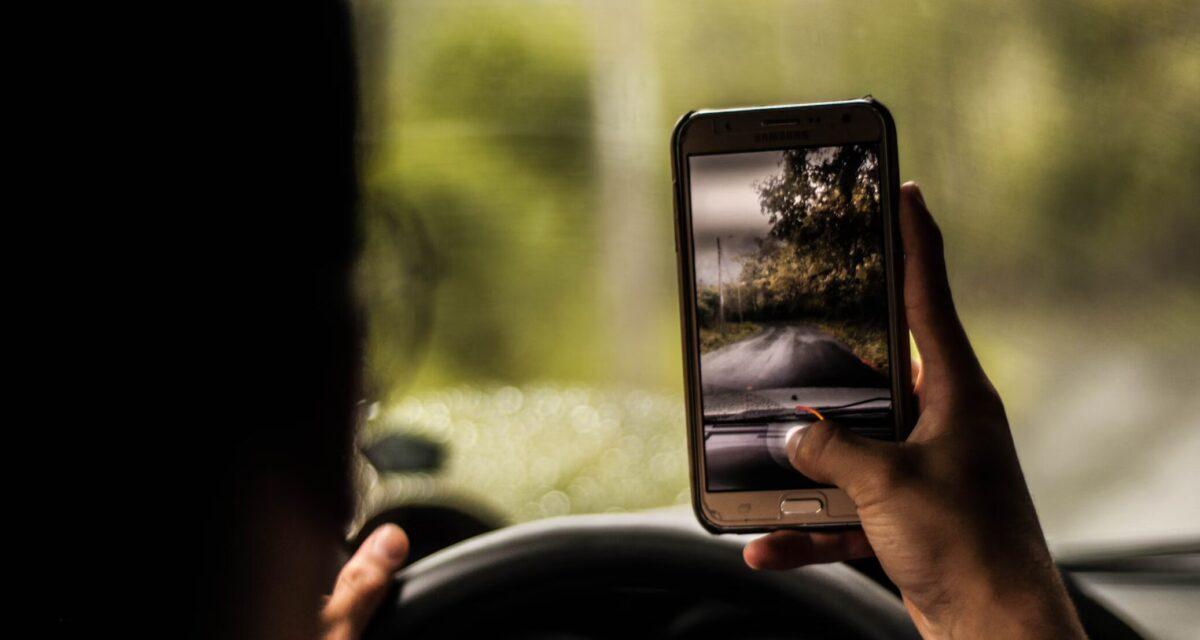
x: 628, y: 144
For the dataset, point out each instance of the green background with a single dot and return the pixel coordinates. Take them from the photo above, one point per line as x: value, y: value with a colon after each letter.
x: 518, y: 273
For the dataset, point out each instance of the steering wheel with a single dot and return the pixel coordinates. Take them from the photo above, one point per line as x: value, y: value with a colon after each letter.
x: 627, y: 576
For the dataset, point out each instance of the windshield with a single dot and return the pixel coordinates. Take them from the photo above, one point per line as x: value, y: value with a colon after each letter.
x: 518, y: 275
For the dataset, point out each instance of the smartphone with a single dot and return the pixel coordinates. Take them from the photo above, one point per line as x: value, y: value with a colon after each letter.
x: 791, y: 274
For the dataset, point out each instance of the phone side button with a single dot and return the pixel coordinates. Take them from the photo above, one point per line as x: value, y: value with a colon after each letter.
x: 800, y: 507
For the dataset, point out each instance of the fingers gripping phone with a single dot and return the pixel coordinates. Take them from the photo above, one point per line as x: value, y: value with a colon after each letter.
x: 791, y: 276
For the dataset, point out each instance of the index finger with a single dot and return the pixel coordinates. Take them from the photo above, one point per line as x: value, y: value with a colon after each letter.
x: 790, y: 549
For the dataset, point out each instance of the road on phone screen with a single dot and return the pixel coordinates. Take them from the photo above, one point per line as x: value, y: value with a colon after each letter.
x: 786, y: 356
x: 813, y: 367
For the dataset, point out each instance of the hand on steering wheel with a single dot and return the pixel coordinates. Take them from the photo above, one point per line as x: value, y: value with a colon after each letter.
x: 947, y: 512
x: 363, y: 583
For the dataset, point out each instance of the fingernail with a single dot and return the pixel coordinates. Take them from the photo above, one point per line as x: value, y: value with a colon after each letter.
x: 390, y: 543
x: 794, y: 437
x: 916, y: 188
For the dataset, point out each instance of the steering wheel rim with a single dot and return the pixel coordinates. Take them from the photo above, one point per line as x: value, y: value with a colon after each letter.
x: 632, y: 548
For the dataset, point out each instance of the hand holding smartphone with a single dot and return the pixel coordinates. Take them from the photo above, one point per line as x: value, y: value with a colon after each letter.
x: 790, y: 279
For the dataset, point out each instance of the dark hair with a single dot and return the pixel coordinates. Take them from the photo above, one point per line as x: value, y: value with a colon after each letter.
x: 217, y: 367
x: 299, y: 361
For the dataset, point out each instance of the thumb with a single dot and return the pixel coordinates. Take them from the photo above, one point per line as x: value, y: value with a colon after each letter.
x: 363, y: 583
x: 833, y: 454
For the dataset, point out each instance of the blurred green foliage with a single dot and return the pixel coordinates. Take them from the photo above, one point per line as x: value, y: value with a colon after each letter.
x: 824, y: 252
x: 1058, y: 144
x: 481, y: 151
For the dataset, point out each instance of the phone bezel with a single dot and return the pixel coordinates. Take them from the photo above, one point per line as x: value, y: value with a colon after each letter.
x: 769, y: 128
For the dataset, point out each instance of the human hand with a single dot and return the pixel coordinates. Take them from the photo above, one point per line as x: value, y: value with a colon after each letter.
x: 947, y: 512
x: 363, y: 583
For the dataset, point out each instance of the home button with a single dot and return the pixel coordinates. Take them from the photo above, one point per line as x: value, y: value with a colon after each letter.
x: 800, y: 506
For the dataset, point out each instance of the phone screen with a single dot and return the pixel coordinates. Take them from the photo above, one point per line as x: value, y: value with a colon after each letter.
x: 792, y: 306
